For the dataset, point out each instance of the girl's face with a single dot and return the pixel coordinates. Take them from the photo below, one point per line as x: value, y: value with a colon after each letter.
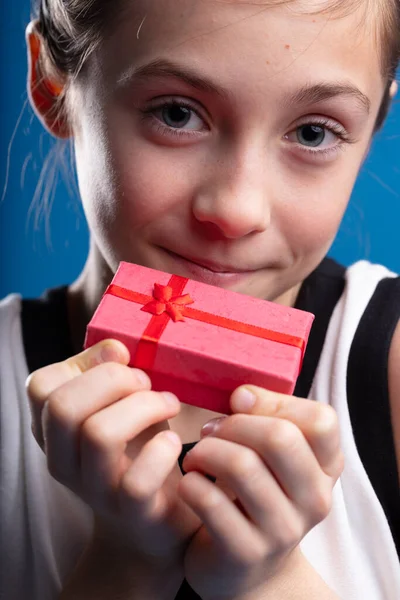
x: 227, y: 135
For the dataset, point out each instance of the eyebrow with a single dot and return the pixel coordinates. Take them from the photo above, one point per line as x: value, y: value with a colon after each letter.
x: 312, y: 94
x: 308, y: 94
x: 166, y: 68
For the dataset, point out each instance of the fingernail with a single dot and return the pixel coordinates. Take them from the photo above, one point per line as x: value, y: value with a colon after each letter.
x: 143, y: 377
x: 243, y: 400
x: 108, y: 353
x: 211, y: 426
x: 171, y: 399
x: 113, y: 351
x: 173, y: 437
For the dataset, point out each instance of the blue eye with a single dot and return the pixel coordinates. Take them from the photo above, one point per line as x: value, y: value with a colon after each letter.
x: 311, y: 135
x: 175, y: 119
x: 318, y: 136
x: 178, y: 115
x: 175, y: 115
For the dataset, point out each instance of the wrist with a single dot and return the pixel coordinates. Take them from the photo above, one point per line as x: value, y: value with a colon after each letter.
x: 105, y: 572
x: 297, y: 580
x: 108, y: 541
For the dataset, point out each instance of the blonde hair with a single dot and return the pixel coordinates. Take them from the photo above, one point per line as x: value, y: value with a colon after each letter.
x: 73, y: 29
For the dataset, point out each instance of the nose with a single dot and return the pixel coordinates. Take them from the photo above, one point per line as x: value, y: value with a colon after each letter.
x: 234, y: 198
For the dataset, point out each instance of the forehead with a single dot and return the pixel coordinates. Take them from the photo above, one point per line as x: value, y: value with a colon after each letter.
x: 265, y: 44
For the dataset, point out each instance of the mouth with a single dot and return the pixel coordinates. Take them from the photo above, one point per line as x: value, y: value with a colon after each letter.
x: 207, y: 271
x: 210, y: 266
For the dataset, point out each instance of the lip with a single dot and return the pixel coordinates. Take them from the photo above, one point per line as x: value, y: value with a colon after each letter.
x: 208, y: 272
x: 214, y: 267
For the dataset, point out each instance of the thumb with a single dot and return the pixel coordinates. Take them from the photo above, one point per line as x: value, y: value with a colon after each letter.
x: 42, y: 382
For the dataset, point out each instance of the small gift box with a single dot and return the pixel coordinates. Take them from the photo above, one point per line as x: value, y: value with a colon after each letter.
x: 199, y: 341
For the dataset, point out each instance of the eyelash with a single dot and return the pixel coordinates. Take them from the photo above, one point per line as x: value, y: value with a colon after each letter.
x: 338, y: 130
x: 148, y: 115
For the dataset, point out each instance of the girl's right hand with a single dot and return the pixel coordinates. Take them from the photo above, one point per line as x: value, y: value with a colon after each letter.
x: 106, y: 438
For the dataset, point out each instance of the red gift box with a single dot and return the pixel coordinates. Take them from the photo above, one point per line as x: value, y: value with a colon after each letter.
x: 199, y: 341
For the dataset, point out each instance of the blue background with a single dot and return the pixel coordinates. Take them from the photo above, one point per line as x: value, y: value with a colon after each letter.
x: 41, y: 248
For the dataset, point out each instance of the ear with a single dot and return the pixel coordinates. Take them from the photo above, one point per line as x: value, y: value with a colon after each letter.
x: 44, y: 93
x: 393, y: 89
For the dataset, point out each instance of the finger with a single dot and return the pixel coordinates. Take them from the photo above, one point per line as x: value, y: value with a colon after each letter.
x: 104, y: 438
x: 318, y: 422
x: 139, y: 492
x: 264, y: 501
x: 147, y: 473
x: 146, y: 501
x: 68, y: 407
x: 41, y: 383
x: 231, y: 530
x: 263, y: 447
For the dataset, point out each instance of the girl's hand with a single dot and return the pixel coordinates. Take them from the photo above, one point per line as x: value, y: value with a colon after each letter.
x: 106, y: 437
x: 275, y: 470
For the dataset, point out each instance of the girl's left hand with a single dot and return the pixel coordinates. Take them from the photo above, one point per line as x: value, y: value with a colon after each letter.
x: 275, y: 469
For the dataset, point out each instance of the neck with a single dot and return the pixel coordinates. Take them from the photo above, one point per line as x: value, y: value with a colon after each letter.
x: 85, y: 293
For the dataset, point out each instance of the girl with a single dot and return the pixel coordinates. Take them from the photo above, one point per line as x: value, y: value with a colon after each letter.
x: 219, y: 141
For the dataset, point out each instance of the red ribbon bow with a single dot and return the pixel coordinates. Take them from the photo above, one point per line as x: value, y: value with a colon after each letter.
x: 165, y: 302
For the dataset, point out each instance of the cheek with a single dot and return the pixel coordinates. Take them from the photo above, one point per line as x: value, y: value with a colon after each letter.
x: 127, y: 182
x: 148, y: 181
x: 313, y: 211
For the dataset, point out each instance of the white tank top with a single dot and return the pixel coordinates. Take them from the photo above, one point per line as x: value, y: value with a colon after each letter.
x: 44, y: 527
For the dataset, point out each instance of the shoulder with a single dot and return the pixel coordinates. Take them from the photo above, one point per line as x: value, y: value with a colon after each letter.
x: 371, y: 302
x: 363, y: 275
x: 352, y: 285
x: 10, y: 311
x: 10, y: 302
x: 371, y: 313
x: 12, y: 356
x: 375, y: 355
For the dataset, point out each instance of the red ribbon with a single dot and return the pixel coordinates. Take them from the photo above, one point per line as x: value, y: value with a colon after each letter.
x: 168, y: 303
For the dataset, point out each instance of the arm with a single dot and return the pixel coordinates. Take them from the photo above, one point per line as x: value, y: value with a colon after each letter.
x: 299, y: 581
x: 107, y: 574
x: 394, y: 390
